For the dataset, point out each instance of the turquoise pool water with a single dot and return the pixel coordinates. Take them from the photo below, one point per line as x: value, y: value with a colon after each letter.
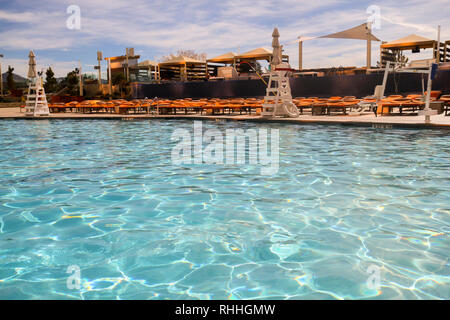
x: 105, y: 196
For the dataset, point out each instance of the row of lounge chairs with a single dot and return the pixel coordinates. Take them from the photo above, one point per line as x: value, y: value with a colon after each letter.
x: 313, y: 105
x: 161, y: 106
x: 411, y: 103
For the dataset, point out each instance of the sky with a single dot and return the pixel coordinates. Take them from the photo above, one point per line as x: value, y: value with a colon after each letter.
x: 156, y: 28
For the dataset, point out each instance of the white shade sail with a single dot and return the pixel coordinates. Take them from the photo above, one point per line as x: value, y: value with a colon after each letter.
x: 360, y: 32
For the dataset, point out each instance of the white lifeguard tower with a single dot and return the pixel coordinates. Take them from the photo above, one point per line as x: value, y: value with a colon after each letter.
x: 278, y: 99
x: 36, y: 103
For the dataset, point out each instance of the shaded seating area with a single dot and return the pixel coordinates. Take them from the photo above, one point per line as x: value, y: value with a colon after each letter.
x: 183, y: 69
x: 415, y: 43
x: 245, y: 64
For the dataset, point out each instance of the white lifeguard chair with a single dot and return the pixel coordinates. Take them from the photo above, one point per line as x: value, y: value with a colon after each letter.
x: 278, y: 100
x: 36, y: 103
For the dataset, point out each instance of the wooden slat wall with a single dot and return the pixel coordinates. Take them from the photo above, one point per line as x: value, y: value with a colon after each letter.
x: 174, y: 72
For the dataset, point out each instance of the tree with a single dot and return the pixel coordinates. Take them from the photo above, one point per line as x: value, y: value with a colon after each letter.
x: 187, y: 53
x: 401, y: 59
x: 119, y: 79
x: 10, y: 78
x: 50, y: 80
x: 70, y: 82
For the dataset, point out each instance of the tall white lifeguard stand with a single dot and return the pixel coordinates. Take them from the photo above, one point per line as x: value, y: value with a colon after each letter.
x: 278, y: 99
x: 36, y: 104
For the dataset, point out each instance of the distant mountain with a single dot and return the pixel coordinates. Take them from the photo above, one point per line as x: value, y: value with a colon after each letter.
x: 16, y: 78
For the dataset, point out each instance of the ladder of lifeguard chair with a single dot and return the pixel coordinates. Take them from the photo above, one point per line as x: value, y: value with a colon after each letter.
x: 272, y: 95
x: 36, y: 103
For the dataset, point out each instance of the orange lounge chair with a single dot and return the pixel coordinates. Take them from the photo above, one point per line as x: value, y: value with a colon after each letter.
x: 446, y: 100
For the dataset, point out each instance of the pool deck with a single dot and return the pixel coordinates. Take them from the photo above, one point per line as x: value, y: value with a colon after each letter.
x: 366, y: 120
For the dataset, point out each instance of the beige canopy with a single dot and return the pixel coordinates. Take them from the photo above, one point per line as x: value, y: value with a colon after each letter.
x: 276, y: 53
x: 182, y: 60
x: 258, y: 53
x: 361, y: 32
x: 412, y: 41
x: 228, y: 57
x: 147, y: 63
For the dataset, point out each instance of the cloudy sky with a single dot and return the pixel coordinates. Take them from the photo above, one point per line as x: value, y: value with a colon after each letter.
x: 158, y: 27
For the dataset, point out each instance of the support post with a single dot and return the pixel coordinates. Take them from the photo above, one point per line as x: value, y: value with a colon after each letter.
x: 438, y: 56
x: 385, y: 77
x: 427, y: 111
x: 127, y: 69
x: 80, y: 74
x: 99, y: 59
x: 445, y: 51
x: 300, y: 55
x: 434, y: 52
x: 369, y: 46
x: 428, y: 97
x: 109, y: 77
x: 1, y: 77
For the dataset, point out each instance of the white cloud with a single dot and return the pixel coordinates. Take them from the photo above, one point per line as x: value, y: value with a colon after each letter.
x: 61, y: 68
x: 158, y: 27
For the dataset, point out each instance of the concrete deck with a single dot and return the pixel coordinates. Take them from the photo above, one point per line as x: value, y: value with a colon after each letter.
x: 437, y: 121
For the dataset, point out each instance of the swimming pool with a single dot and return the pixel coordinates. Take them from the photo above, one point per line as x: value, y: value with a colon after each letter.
x: 105, y: 196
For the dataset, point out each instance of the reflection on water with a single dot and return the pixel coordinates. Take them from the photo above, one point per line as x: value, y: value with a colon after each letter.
x: 105, y: 196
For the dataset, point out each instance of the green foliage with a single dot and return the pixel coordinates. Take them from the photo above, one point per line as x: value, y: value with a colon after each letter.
x: 50, y: 81
x: 71, y: 83
x: 10, y: 78
x: 119, y: 80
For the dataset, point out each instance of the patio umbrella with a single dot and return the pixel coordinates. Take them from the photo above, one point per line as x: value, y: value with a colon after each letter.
x: 276, y: 59
x: 32, y: 66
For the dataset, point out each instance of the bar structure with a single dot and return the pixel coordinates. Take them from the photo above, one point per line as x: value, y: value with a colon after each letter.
x: 126, y: 64
x: 183, y: 68
x: 415, y: 43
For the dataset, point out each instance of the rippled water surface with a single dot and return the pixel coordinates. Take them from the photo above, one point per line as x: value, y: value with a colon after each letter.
x: 105, y: 196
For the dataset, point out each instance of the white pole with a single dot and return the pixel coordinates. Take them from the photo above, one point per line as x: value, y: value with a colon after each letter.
x: 428, y: 97
x: 427, y: 109
x: 438, y: 56
x: 385, y: 77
